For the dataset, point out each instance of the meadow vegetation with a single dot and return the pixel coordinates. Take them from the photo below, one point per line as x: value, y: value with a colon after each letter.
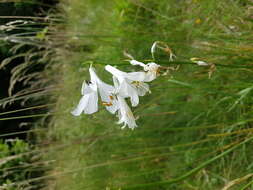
x: 194, y: 129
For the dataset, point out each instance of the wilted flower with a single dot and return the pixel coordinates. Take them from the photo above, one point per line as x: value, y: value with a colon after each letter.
x: 163, y: 46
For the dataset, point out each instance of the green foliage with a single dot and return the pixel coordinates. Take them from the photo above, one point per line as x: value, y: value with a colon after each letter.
x: 24, y: 52
x: 12, y: 159
x: 194, y: 126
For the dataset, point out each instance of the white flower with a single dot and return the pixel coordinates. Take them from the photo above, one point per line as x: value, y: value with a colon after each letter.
x: 152, y: 69
x: 129, y: 84
x: 106, y: 92
x: 125, y: 114
x: 89, y: 102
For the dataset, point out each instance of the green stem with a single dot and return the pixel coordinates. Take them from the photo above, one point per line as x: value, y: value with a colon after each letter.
x: 26, y: 116
x: 25, y: 109
x: 247, y: 185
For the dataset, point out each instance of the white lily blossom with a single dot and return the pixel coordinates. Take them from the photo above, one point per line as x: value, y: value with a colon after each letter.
x: 129, y: 84
x: 152, y: 69
x: 89, y: 102
x: 125, y: 114
x: 106, y: 92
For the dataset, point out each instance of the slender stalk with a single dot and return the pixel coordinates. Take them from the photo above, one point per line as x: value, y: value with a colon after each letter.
x: 247, y: 185
x: 29, y: 17
x: 25, y: 109
x: 191, y: 172
x: 27, y: 116
x: 21, y: 132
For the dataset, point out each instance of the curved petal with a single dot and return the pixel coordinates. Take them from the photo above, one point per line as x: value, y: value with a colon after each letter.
x: 136, y: 76
x: 86, y: 88
x: 93, y: 75
x: 150, y: 77
x: 134, y: 62
x: 125, y: 114
x: 134, y: 98
x: 126, y: 90
x: 116, y: 72
x: 152, y: 73
x: 142, y: 89
x: 113, y: 108
x: 92, y: 105
x: 115, y: 82
x: 107, y: 97
x: 153, y: 47
x: 81, y: 106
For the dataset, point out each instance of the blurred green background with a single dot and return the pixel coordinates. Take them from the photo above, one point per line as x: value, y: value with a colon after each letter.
x: 194, y: 129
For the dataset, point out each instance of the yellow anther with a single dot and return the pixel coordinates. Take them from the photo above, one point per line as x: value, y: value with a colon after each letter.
x: 107, y: 103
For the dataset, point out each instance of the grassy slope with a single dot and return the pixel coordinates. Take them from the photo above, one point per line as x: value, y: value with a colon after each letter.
x: 98, y: 155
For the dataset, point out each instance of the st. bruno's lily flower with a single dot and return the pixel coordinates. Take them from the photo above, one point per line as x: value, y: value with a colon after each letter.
x: 152, y: 69
x: 89, y: 102
x: 129, y: 84
x: 106, y: 92
x: 125, y: 114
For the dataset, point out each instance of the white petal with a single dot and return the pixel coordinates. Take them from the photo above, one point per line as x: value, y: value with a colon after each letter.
x: 105, y: 91
x: 92, y: 105
x: 113, y: 108
x: 93, y: 75
x: 136, y: 76
x: 142, y: 89
x: 125, y: 114
x: 116, y: 72
x: 153, y: 48
x: 107, y: 97
x: 202, y: 63
x: 115, y: 82
x: 150, y: 76
x: 81, y: 105
x: 134, y: 62
x: 134, y: 98
x: 86, y: 89
x: 152, y: 73
x: 127, y: 90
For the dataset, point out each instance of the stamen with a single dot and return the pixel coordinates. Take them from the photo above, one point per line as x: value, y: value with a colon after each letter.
x: 111, y: 97
x: 136, y: 83
x: 130, y: 114
x: 107, y: 104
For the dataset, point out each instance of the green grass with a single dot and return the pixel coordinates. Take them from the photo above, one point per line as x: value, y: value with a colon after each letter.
x: 194, y: 132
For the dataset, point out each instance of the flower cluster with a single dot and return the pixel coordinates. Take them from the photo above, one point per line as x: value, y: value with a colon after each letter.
x: 130, y: 85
